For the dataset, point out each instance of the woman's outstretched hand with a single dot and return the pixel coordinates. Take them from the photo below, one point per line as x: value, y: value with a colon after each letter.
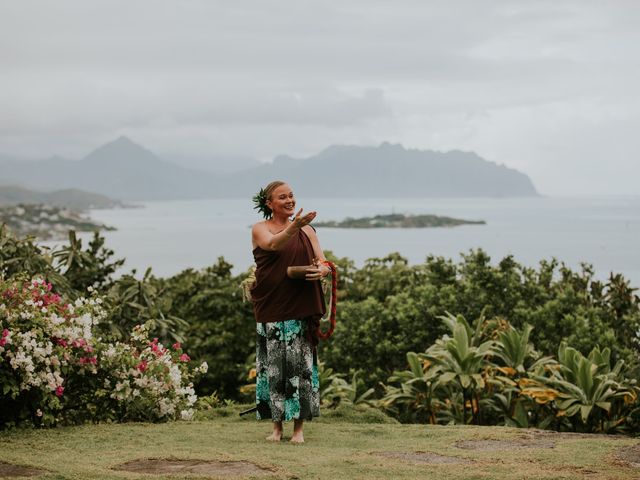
x: 317, y: 272
x: 300, y: 220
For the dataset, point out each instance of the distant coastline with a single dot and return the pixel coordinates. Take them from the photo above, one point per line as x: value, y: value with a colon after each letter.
x: 46, y: 222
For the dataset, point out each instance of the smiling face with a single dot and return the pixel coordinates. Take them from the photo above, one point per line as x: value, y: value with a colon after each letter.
x: 282, y: 202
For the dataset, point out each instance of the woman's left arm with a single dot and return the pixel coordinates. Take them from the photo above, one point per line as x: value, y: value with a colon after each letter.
x: 322, y: 270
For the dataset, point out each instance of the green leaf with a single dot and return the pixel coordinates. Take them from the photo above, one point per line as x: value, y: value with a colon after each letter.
x: 585, y: 410
x: 447, y: 377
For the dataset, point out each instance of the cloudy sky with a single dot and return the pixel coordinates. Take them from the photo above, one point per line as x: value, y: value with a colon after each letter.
x: 547, y: 87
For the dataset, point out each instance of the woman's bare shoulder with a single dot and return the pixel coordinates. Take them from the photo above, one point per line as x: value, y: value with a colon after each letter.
x: 259, y: 226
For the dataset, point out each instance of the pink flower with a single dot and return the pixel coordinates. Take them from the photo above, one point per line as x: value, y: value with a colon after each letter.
x: 49, y: 299
x: 5, y: 332
x: 3, y: 340
x: 93, y: 360
x: 62, y: 342
x: 184, y: 357
x: 142, y: 366
x: 59, y: 391
x: 177, y: 346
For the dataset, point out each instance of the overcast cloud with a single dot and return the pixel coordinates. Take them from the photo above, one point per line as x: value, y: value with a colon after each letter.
x: 547, y: 87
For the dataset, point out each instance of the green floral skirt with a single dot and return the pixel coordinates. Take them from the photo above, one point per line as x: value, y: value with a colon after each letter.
x: 287, y: 385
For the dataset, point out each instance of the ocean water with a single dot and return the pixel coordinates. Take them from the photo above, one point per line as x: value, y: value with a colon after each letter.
x: 174, y: 235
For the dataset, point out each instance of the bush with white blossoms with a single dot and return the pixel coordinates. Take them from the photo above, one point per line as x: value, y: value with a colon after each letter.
x: 147, y: 381
x: 53, y: 370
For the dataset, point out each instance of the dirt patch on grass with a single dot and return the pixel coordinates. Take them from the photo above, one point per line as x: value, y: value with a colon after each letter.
x: 423, y: 458
x: 10, y: 470
x: 167, y: 466
x: 629, y: 455
x: 511, y: 444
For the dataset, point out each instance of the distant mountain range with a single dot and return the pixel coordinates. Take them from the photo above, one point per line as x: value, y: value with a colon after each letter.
x: 125, y: 170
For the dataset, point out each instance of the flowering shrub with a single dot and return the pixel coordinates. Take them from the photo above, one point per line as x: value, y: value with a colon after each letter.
x: 53, y: 369
x: 147, y: 381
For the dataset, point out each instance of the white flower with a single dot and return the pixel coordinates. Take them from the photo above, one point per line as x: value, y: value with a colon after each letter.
x: 110, y: 352
x: 204, y: 367
x: 165, y: 407
x: 186, y: 414
x: 175, y: 374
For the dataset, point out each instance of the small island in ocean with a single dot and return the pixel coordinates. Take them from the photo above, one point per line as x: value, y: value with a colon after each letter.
x: 398, y: 220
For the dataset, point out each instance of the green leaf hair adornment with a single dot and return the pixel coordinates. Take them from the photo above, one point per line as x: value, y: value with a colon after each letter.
x: 260, y: 200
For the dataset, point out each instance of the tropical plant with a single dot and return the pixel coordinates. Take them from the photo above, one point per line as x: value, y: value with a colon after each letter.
x: 414, y: 399
x: 92, y: 267
x: 461, y: 358
x: 134, y: 302
x: 332, y: 387
x: 22, y: 256
x: 514, y: 359
x: 588, y: 391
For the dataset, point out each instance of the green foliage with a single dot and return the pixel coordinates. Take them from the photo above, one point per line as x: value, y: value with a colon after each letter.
x: 137, y: 302
x: 489, y: 372
x: 414, y: 399
x: 590, y: 393
x: 86, y: 268
x: 461, y: 359
x: 70, y: 268
x: 21, y: 256
x: 219, y: 327
x: 335, y: 390
x: 496, y: 374
x: 389, y: 308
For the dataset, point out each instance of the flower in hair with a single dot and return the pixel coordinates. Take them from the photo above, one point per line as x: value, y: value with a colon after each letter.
x: 260, y: 200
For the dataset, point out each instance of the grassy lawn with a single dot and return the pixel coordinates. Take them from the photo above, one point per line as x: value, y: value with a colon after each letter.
x: 337, y: 447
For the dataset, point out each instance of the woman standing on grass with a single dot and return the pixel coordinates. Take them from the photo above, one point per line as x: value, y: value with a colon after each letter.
x: 287, y: 311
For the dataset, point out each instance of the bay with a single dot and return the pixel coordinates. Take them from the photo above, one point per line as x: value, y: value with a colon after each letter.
x: 173, y: 235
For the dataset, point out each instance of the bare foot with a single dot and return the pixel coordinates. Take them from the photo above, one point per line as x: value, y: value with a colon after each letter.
x: 297, y: 438
x: 274, y: 437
